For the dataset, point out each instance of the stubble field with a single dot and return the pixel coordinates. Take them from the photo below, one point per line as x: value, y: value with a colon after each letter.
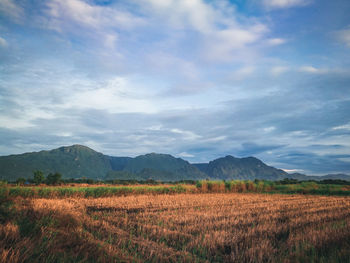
x: 216, y: 227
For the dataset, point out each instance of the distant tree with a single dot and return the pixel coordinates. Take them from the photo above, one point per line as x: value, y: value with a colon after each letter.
x: 54, y: 179
x: 288, y: 181
x: 90, y: 181
x: 20, y: 181
x: 39, y: 177
x: 335, y: 181
x: 3, y: 182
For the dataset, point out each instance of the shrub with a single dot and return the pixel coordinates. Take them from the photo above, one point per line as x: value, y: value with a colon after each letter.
x: 250, y: 186
x: 216, y: 186
x: 20, y: 181
x: 54, y: 179
x: 202, y: 186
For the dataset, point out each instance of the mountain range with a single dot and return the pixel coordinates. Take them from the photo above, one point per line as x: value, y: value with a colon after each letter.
x: 78, y: 161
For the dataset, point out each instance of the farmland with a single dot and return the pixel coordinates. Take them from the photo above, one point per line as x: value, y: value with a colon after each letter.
x: 176, y: 227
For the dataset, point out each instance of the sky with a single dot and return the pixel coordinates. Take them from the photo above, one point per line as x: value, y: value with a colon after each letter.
x: 192, y: 78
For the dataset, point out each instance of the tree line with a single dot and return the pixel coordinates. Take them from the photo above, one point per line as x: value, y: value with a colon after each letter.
x: 56, y: 179
x: 39, y: 178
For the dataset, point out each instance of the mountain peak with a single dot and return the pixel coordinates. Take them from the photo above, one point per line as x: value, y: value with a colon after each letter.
x: 75, y: 148
x: 252, y: 159
x: 251, y: 168
x: 153, y: 154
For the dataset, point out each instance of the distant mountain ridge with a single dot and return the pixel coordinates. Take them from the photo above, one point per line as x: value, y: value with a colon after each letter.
x: 249, y: 168
x: 78, y: 161
x: 175, y: 167
x: 71, y: 161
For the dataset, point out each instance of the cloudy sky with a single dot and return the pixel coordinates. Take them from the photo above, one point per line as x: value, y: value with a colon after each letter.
x: 193, y: 78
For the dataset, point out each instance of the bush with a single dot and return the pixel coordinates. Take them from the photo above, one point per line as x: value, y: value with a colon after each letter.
x: 54, y: 179
x: 21, y: 181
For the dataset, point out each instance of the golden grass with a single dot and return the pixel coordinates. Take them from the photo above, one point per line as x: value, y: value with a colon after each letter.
x: 217, y: 227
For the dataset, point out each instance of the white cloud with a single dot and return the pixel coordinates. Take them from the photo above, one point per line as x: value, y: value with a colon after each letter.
x: 182, y: 13
x: 216, y: 139
x: 115, y: 97
x: 155, y: 127
x: 170, y: 64
x: 110, y: 41
x: 269, y: 129
x: 278, y: 70
x: 294, y: 170
x: 187, y: 135
x: 222, y: 33
x: 244, y: 72
x: 69, y: 92
x: 276, y: 41
x: 19, y: 118
x: 10, y: 122
x: 185, y: 155
x: 344, y: 36
x: 3, y: 42
x: 102, y: 24
x: 63, y: 13
x: 9, y: 8
x: 222, y: 45
x: 342, y: 127
x: 313, y: 70
x: 277, y: 4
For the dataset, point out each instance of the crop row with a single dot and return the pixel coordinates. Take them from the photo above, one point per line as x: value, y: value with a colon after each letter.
x: 99, y: 191
x: 234, y: 186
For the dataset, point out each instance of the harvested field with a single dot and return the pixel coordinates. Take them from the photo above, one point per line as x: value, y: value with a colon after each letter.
x: 217, y: 227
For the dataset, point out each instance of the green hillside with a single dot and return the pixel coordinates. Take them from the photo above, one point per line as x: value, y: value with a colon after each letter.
x: 72, y: 162
x: 250, y: 168
x: 163, y: 167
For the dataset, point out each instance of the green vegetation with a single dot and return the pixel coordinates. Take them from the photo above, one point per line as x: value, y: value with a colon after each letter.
x: 153, y: 187
x: 286, y: 186
x: 20, y: 181
x: 90, y: 191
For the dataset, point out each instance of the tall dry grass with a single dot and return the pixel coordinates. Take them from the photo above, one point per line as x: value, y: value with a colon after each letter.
x: 179, y: 228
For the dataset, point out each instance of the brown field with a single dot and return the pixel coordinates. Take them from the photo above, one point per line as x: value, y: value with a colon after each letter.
x: 217, y: 227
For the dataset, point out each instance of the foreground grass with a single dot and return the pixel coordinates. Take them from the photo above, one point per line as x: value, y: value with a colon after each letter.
x: 220, y: 227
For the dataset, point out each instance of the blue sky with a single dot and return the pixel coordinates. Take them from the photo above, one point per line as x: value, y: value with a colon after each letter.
x: 196, y: 79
